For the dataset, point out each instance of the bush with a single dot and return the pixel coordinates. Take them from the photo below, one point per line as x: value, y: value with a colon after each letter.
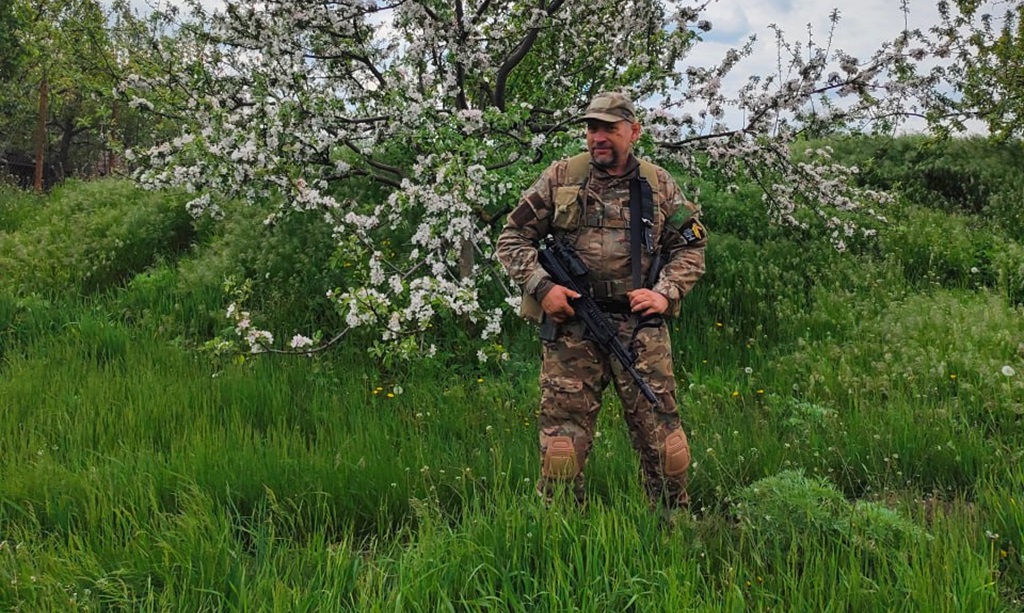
x: 93, y: 236
x: 15, y: 207
x: 23, y: 319
x: 936, y: 248
x: 1008, y: 263
x: 171, y: 305
x: 971, y: 176
x: 787, y: 508
x: 291, y: 264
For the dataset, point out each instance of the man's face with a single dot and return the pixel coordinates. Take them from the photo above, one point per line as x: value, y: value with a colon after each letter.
x: 609, y: 143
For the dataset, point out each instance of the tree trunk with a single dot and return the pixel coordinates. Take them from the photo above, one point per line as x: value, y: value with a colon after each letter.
x: 67, y: 137
x: 467, y: 258
x: 44, y: 104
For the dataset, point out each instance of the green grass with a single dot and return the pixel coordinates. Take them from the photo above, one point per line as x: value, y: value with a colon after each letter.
x: 138, y: 476
x: 857, y: 446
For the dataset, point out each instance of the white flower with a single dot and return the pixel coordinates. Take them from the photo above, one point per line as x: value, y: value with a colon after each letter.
x: 298, y: 341
x: 1008, y: 371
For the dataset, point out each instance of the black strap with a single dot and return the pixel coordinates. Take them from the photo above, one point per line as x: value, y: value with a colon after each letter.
x: 647, y: 210
x: 641, y: 221
x: 636, y: 228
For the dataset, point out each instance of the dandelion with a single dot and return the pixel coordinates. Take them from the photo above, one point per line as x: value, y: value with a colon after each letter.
x: 760, y: 392
x: 748, y: 370
x: 952, y: 376
x: 719, y: 324
x: 480, y: 380
x: 391, y: 395
x: 1008, y: 371
x: 735, y: 394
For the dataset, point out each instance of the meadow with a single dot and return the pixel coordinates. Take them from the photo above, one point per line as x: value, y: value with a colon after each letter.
x: 856, y: 421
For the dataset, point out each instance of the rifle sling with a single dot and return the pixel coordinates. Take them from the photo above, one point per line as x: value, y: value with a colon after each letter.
x: 636, y: 229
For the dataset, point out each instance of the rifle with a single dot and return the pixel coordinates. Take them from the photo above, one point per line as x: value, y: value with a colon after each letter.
x: 566, y: 268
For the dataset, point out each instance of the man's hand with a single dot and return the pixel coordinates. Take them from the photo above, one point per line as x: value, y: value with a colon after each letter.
x: 556, y: 303
x: 647, y: 302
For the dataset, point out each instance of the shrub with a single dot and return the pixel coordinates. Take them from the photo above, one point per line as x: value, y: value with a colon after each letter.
x: 878, y: 527
x: 937, y: 248
x: 93, y: 236
x: 171, y: 304
x: 971, y: 176
x: 1008, y: 263
x: 26, y: 318
x: 15, y: 207
x: 788, y: 507
x: 291, y: 264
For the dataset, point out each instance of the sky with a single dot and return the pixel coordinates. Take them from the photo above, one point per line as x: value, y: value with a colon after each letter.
x: 863, y: 27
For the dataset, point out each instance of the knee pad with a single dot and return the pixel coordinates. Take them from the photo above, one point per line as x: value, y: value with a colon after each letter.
x: 560, y: 460
x: 677, y: 453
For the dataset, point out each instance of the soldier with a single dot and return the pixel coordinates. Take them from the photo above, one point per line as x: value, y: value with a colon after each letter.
x: 639, y: 272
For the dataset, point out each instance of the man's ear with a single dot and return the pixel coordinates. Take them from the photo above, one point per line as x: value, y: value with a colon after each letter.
x: 635, y: 136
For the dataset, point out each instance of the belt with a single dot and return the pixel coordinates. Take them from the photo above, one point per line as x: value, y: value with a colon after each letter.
x: 614, y: 306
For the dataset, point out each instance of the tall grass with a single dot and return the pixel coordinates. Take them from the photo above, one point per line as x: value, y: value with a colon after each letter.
x: 855, y: 421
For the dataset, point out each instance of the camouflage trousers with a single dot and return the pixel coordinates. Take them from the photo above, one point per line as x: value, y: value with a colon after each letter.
x: 574, y: 375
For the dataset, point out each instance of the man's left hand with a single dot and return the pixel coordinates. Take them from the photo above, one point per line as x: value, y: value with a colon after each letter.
x: 647, y: 302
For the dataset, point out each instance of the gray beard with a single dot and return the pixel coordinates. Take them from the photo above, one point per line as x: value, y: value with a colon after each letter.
x: 614, y: 161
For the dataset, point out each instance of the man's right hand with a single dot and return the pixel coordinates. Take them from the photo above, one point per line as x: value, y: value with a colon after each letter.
x: 556, y: 303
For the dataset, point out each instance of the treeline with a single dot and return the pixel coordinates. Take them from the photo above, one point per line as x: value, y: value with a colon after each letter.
x: 61, y: 114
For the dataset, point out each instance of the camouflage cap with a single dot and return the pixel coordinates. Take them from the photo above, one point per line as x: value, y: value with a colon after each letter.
x: 610, y: 107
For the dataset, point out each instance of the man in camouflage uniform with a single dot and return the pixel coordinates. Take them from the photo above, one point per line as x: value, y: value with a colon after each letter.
x: 586, y: 201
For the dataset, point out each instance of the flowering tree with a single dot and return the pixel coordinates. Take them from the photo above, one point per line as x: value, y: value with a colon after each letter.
x: 450, y: 105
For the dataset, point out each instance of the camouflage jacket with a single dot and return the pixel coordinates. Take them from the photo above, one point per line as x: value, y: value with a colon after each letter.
x: 594, y: 217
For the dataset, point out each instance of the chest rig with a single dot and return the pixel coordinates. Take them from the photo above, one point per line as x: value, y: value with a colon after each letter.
x: 608, y: 220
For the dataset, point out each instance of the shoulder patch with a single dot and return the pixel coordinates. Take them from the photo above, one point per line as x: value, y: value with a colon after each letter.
x: 693, y: 232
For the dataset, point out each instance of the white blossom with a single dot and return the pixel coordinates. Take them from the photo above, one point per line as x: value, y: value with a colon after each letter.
x: 274, y: 124
x: 299, y: 341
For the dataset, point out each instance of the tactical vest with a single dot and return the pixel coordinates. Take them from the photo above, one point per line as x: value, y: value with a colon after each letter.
x: 579, y: 167
x: 568, y: 197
